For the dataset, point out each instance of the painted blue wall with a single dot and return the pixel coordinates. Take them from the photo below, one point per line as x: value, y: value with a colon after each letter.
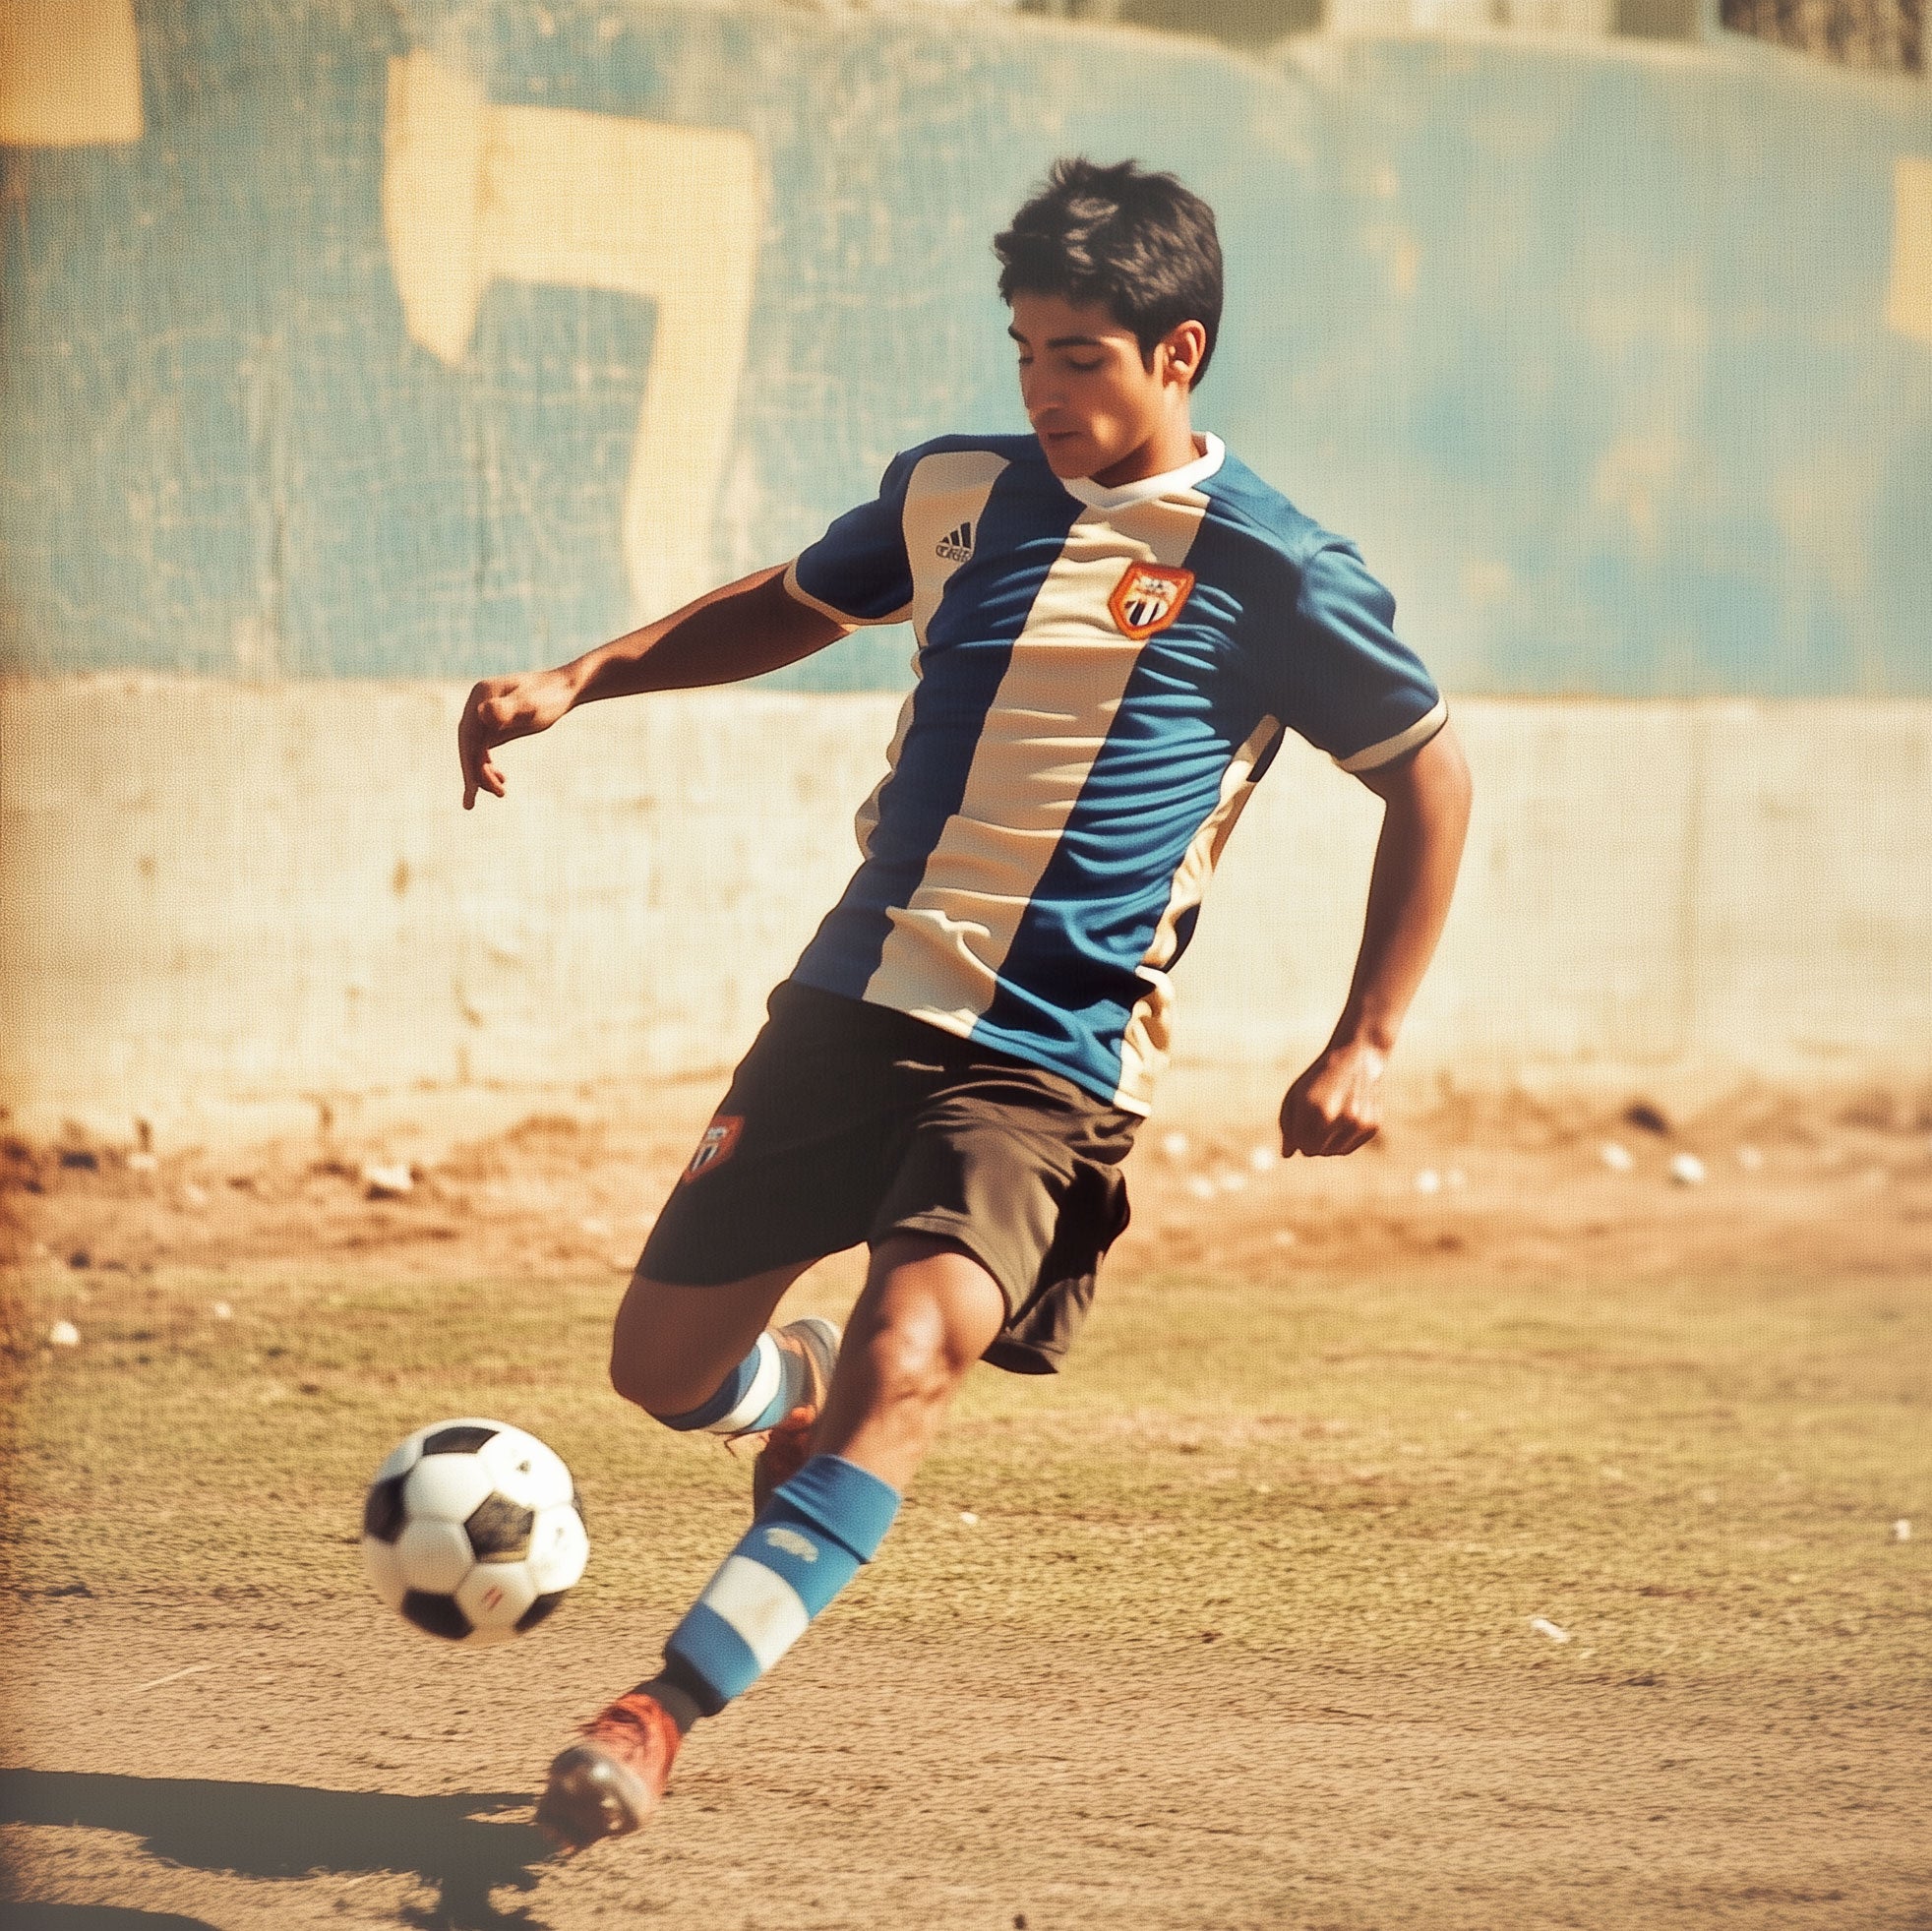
x: 1587, y: 344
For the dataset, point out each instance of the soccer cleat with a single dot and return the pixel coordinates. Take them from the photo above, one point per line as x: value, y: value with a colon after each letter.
x: 788, y: 1446
x: 605, y: 1785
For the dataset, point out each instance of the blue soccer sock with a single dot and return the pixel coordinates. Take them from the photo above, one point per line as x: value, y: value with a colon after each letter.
x: 807, y: 1542
x: 759, y: 1393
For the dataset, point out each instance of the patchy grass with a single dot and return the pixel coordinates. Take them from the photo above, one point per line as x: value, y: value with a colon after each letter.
x: 1693, y: 1477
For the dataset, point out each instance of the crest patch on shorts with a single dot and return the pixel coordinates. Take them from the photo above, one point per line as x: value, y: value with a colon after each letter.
x: 717, y: 1146
x: 1149, y: 597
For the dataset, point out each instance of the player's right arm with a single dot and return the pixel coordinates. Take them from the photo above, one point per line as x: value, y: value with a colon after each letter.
x: 741, y: 630
x: 1337, y: 674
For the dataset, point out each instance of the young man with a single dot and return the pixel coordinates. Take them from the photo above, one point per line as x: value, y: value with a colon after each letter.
x: 1116, y: 622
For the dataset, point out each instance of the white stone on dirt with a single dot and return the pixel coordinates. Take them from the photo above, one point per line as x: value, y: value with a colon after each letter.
x: 193, y: 1196
x: 1618, y: 1159
x: 1687, y: 1170
x: 142, y: 1163
x: 221, y: 1311
x: 64, y: 1334
x: 1545, y: 1627
x: 1902, y: 1530
x: 1263, y: 1158
x: 387, y: 1181
x: 1175, y: 1145
x: 1201, y: 1187
x: 969, y: 1518
x: 1428, y: 1181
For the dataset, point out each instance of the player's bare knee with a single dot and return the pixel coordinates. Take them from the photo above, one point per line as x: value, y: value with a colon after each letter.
x: 630, y: 1378
x: 641, y: 1373
x: 641, y: 1368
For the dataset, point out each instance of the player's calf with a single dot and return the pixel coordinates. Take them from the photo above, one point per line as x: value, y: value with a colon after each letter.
x: 929, y: 1312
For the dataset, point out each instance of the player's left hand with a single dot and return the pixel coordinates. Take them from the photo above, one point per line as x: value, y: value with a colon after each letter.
x: 1335, y: 1107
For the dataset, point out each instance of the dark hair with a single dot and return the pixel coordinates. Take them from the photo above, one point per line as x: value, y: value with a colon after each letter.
x: 1139, y: 244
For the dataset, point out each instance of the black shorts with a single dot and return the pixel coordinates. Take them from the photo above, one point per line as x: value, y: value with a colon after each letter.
x: 847, y: 1122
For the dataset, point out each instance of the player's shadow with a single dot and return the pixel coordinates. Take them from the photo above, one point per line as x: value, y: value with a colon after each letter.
x: 94, y: 1918
x: 285, y: 1831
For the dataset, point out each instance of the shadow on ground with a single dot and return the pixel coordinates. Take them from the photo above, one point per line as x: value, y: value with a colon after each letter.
x: 284, y: 1831
x: 94, y: 1918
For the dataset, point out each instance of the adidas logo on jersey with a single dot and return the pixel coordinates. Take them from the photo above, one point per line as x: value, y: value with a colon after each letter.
x: 957, y: 548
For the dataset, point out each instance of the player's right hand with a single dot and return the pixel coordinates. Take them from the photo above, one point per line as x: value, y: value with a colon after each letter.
x: 499, y: 709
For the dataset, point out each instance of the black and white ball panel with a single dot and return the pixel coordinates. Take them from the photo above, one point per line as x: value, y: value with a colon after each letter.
x: 382, y: 1512
x: 499, y: 1529
x: 435, y: 1554
x: 459, y: 1437
x: 559, y: 1549
x: 539, y: 1610
x: 436, y: 1615
x: 524, y: 1469
x: 472, y: 1533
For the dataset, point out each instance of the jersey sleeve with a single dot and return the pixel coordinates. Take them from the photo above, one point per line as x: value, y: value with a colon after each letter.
x: 1336, y: 672
x: 858, y: 573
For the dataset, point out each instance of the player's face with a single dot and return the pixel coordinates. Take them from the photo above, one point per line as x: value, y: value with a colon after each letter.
x: 1096, y: 407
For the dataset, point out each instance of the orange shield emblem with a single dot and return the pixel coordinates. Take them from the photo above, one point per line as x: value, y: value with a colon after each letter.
x: 1148, y: 598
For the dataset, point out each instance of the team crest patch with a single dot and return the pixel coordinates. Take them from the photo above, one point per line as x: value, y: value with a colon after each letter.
x: 1149, y: 597
x: 717, y: 1146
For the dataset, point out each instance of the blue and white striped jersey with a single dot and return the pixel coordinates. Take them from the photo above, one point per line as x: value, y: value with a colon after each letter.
x: 1102, y: 676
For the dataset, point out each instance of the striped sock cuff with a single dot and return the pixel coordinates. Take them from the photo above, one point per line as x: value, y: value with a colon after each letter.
x: 759, y: 1393
x: 804, y: 1548
x: 840, y: 1500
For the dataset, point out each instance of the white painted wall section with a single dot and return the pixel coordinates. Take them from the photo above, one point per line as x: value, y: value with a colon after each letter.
x: 217, y: 895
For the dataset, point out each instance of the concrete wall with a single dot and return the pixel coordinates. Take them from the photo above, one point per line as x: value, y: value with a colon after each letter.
x: 392, y: 340
x: 219, y: 897
x: 409, y: 337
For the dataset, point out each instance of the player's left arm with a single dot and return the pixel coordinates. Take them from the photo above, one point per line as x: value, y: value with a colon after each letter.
x: 1335, y: 1105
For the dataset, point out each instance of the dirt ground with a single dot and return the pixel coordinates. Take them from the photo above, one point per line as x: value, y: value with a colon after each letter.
x: 201, y: 1738
x: 1505, y: 1182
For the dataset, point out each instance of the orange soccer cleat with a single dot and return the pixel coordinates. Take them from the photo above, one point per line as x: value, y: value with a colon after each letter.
x: 605, y: 1785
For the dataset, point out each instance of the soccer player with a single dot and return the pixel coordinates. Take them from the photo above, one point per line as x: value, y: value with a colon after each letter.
x: 1116, y: 622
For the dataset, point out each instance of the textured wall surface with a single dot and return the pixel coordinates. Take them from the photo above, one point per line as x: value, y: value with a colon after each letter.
x: 217, y: 894
x: 418, y: 339
x: 350, y: 348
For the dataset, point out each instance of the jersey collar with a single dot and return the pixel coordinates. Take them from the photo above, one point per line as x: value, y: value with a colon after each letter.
x: 1170, y: 483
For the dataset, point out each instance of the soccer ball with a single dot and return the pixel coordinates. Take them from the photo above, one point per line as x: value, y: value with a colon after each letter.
x: 471, y: 1530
